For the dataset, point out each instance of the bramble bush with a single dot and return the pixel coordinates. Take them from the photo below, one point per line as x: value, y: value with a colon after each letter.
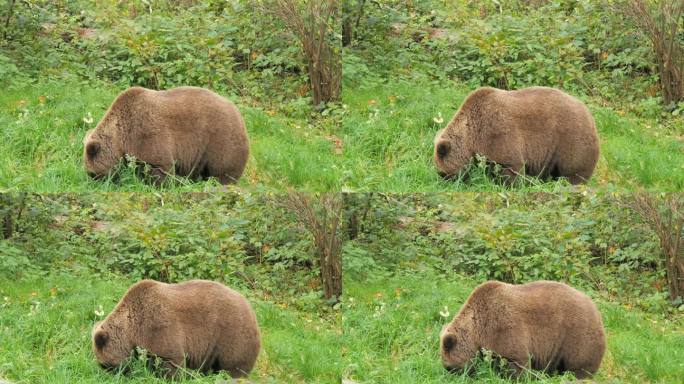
x: 226, y: 46
x: 241, y: 239
x: 583, y: 46
x: 589, y: 241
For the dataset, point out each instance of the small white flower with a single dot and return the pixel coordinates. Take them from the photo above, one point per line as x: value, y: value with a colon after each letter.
x: 445, y: 312
x: 439, y: 119
x: 34, y: 307
x: 99, y: 312
x: 88, y: 118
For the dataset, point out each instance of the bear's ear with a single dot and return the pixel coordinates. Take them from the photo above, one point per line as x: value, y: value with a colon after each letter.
x: 443, y: 148
x: 101, y: 338
x: 448, y: 343
x: 92, y: 149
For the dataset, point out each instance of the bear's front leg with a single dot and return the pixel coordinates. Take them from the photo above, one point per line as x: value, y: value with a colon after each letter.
x: 167, y: 367
x: 157, y: 175
x: 158, y: 164
x: 510, y: 173
x: 505, y: 151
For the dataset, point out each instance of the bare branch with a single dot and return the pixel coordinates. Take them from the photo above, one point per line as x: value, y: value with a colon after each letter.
x: 312, y: 22
x: 321, y: 216
x: 665, y: 215
x: 663, y: 26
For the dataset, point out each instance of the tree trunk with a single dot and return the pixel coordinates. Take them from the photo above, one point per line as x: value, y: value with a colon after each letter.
x: 9, y: 17
x: 11, y: 208
x: 350, y: 20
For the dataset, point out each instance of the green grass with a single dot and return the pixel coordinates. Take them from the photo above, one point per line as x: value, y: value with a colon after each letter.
x: 386, y: 144
x: 43, y: 126
x: 392, y: 335
x: 45, y: 326
x: 390, y: 128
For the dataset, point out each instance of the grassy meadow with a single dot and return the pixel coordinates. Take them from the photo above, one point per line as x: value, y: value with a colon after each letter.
x: 45, y: 326
x: 416, y: 258
x: 400, y: 83
x: 71, y: 257
x: 384, y: 144
x: 44, y: 125
x: 391, y: 127
x: 392, y: 335
x: 411, y: 249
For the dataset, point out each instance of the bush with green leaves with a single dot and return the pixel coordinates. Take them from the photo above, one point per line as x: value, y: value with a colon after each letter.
x: 241, y: 239
x: 581, y: 45
x: 588, y: 240
x: 227, y: 46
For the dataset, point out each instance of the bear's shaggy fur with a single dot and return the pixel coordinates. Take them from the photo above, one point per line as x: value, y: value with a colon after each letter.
x: 542, y: 130
x: 543, y: 325
x: 198, y: 324
x: 186, y: 131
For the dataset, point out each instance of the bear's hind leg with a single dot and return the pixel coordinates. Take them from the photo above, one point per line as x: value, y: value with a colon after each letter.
x: 226, y: 179
x: 582, y: 362
x: 577, y: 179
x: 577, y: 172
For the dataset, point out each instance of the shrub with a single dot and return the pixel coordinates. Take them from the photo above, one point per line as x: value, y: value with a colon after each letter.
x: 586, y: 240
x: 312, y: 23
x: 663, y: 26
x: 240, y: 239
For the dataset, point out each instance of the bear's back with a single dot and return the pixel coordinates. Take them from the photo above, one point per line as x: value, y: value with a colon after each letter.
x: 538, y: 305
x: 555, y: 314
x: 550, y: 107
x: 207, y: 296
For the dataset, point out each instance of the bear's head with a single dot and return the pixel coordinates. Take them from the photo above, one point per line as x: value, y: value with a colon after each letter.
x: 457, y: 344
x: 452, y: 151
x: 111, y: 345
x: 102, y: 149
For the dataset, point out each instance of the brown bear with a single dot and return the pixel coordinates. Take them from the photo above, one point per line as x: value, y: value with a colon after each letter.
x: 185, y: 131
x: 198, y: 324
x: 543, y: 325
x: 543, y: 131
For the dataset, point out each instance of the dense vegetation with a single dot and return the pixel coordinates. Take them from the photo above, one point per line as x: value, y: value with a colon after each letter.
x: 64, y: 62
x: 409, y: 260
x: 406, y: 70
x: 392, y: 335
x: 410, y: 64
x: 415, y: 258
x: 69, y: 258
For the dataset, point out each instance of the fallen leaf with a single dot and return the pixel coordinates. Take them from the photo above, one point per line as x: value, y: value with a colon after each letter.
x: 337, y: 144
x: 303, y: 90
